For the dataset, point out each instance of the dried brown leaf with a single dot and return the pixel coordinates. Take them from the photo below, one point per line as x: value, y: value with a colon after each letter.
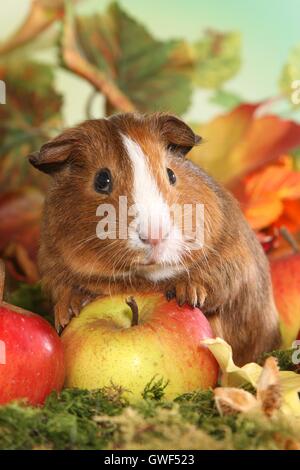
x: 230, y: 400
x: 269, y: 393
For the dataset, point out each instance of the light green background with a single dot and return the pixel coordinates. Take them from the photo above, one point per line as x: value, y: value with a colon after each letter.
x: 270, y: 28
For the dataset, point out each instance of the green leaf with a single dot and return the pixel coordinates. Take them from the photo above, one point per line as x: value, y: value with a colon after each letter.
x: 289, y: 82
x: 31, y: 114
x: 226, y: 99
x: 217, y: 58
x: 150, y: 73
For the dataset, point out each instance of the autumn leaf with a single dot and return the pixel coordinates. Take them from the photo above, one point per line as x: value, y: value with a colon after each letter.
x: 268, y: 397
x: 125, y: 62
x: 20, y: 215
x: 290, y: 216
x: 230, y: 400
x: 240, y: 141
x: 226, y: 99
x: 31, y: 115
x: 266, y: 191
x: 217, y: 57
x: 268, y: 392
x: 274, y: 389
x: 41, y: 15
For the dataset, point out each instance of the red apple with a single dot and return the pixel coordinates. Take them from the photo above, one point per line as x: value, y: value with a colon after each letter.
x: 31, y: 356
x: 109, y: 342
x: 286, y: 284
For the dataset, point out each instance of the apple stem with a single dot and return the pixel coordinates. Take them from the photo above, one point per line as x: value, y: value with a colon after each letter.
x: 2, y: 279
x: 135, y: 310
x: 286, y: 234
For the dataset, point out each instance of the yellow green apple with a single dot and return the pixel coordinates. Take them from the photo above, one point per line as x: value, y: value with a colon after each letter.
x: 286, y: 285
x: 128, y: 343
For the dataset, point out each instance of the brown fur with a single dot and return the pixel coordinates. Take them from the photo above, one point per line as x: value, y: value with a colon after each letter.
x: 229, y: 278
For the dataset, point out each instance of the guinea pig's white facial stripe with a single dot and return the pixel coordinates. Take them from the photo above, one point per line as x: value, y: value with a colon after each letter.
x: 152, y: 214
x: 152, y: 209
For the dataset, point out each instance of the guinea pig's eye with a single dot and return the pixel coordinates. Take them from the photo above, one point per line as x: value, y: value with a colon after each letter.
x: 171, y: 176
x: 103, y: 181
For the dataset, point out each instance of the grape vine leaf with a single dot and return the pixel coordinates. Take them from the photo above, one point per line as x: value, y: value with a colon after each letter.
x: 20, y: 215
x: 41, y: 15
x: 31, y: 113
x: 125, y: 62
x: 226, y: 99
x: 217, y: 58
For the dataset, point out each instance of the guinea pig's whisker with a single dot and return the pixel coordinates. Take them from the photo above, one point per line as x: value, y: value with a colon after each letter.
x: 100, y: 274
x: 122, y: 262
x: 182, y: 262
x: 85, y: 241
x: 132, y: 262
x: 97, y: 258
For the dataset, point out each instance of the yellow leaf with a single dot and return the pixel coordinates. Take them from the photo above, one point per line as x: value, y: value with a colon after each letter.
x: 234, y: 376
x: 290, y: 385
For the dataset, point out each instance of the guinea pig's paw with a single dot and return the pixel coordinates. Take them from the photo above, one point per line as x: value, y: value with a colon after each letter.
x: 170, y: 293
x: 184, y: 294
x: 201, y: 296
x: 63, y: 315
x: 196, y: 295
x: 77, y: 301
x: 188, y: 292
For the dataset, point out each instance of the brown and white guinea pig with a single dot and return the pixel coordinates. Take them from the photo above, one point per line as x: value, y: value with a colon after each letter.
x: 143, y: 157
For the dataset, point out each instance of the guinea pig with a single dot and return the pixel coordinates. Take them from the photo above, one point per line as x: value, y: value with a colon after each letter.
x: 217, y: 265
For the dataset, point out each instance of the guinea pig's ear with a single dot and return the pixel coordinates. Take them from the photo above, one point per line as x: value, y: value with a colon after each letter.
x: 178, y: 136
x: 53, y: 155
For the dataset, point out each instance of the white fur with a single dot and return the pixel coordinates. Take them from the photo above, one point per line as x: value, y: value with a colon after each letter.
x: 151, y: 211
x: 163, y: 273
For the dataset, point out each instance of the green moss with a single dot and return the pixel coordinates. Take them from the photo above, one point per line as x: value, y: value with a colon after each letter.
x: 103, y: 419
x: 155, y: 389
x: 284, y: 358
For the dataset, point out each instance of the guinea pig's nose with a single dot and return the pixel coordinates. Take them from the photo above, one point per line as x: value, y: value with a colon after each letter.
x: 152, y: 240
